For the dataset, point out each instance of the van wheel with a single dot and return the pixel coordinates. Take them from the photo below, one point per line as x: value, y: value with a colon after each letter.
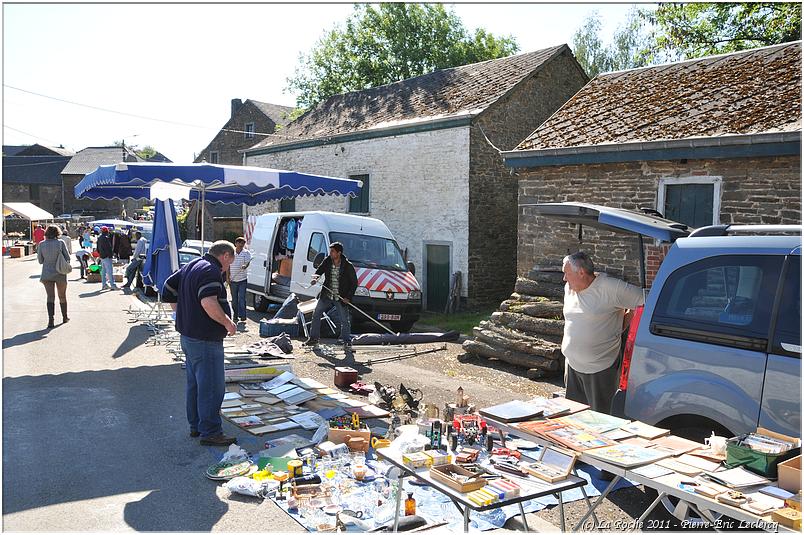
x: 402, y: 326
x: 260, y: 303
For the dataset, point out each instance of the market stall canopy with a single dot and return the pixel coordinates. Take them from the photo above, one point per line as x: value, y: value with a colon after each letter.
x: 26, y: 210
x: 207, y: 182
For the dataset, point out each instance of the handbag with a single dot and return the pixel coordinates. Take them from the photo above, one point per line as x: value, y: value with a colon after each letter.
x: 63, y: 266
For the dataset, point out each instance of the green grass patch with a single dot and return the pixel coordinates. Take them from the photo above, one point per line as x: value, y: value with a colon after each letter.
x: 461, y: 321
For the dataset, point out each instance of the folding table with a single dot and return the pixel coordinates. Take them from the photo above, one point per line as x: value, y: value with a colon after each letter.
x: 531, y: 488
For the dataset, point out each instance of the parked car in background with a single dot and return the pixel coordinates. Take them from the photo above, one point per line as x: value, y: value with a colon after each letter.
x: 717, y: 346
x: 196, y: 244
x: 187, y: 255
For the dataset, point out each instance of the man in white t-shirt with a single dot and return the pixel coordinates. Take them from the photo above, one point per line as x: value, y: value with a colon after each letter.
x: 238, y: 275
x: 595, y: 307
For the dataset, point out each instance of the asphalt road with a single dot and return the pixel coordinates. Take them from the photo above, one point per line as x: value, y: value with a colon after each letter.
x: 94, y: 433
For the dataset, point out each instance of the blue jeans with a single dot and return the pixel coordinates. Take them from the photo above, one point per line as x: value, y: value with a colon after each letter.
x: 238, y: 290
x: 324, y: 304
x: 107, y: 272
x: 131, y: 271
x: 205, y: 384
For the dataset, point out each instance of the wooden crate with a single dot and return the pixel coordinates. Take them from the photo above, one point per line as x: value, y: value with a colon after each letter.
x: 17, y: 252
x: 443, y: 474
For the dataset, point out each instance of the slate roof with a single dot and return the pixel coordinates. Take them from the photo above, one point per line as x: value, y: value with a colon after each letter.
x: 750, y: 92
x: 44, y: 150
x: 275, y: 112
x: 34, y: 169
x: 13, y: 150
x: 88, y: 159
x: 468, y: 89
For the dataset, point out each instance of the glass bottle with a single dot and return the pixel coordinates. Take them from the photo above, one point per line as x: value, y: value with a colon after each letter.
x: 410, y: 505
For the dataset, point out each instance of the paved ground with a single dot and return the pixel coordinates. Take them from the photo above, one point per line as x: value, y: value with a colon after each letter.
x: 94, y: 435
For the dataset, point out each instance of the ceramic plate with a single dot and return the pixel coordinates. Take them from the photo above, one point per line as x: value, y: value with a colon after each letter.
x: 228, y: 470
x: 332, y: 509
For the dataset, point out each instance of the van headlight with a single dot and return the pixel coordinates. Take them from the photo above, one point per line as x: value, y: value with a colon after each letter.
x: 415, y: 295
x: 362, y: 291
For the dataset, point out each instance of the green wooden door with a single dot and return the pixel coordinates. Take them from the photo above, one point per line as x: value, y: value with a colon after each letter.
x: 437, y: 277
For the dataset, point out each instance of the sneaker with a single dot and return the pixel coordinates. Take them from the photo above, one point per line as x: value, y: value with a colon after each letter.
x: 194, y: 433
x: 218, y: 440
x: 104, y: 287
x: 310, y: 342
x: 115, y: 288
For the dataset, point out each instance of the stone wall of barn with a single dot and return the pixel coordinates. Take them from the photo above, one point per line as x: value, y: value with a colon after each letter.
x: 761, y: 190
x: 492, y: 189
x: 418, y: 185
x: 228, y: 143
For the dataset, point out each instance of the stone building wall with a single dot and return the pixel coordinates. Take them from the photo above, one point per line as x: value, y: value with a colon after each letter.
x: 227, y: 144
x: 492, y: 189
x: 49, y: 198
x: 418, y: 186
x: 761, y: 190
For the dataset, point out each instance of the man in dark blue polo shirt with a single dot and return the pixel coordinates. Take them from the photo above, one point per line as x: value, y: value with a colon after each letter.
x: 203, y: 317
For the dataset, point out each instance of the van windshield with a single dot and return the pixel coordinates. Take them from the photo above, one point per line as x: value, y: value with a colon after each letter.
x: 370, y: 251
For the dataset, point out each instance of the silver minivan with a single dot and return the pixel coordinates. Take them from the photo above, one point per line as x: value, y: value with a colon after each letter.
x: 717, y: 346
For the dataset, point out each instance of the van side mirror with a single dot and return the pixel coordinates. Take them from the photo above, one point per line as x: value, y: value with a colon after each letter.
x: 411, y: 267
x: 318, y: 260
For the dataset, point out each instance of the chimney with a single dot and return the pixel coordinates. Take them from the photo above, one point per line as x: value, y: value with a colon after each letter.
x: 236, y: 104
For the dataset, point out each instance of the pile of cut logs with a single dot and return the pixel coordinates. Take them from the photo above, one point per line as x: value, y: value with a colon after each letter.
x: 527, y: 329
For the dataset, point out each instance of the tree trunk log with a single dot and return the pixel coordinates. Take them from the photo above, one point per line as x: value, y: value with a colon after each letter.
x: 513, y: 357
x: 522, y: 322
x: 498, y: 336
x: 539, y: 289
x: 552, y: 310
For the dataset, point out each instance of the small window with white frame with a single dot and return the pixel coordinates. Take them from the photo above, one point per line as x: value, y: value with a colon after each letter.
x: 213, y: 156
x: 249, y: 130
x: 694, y: 201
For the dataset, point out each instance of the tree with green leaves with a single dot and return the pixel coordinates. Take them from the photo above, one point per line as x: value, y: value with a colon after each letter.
x: 389, y: 42
x: 705, y: 29
x: 629, y: 47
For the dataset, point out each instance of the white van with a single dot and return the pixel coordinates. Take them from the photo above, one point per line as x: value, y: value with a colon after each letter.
x: 387, y: 289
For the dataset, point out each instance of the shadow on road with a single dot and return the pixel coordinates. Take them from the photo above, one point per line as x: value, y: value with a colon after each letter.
x: 92, y: 294
x: 26, y: 338
x: 77, y: 436
x: 137, y: 336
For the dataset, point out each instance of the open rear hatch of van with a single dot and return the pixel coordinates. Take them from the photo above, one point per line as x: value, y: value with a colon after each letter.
x: 646, y: 223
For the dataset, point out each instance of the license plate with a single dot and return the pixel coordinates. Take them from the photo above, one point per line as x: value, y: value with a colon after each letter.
x: 389, y: 317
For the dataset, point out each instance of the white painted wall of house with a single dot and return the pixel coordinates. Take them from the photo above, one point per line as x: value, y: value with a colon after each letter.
x: 419, y: 186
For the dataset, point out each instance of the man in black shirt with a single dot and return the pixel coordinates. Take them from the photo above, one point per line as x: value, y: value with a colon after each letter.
x: 203, y: 318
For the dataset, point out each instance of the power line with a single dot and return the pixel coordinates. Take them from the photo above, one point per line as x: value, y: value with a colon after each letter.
x: 29, y: 134
x: 107, y: 110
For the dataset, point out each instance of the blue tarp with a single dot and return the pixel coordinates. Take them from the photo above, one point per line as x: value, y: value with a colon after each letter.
x: 219, y: 183
x: 163, y: 254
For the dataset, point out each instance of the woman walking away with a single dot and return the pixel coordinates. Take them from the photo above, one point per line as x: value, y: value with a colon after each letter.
x: 48, y: 254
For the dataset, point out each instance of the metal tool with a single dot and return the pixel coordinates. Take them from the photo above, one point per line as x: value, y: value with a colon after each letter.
x: 403, y: 356
x: 354, y: 307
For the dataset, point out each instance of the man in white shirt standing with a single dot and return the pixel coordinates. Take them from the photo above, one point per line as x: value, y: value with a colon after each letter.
x: 595, y: 308
x: 238, y: 275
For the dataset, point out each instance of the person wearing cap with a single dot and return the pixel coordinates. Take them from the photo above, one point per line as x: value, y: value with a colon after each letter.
x: 106, y: 252
x: 341, y: 283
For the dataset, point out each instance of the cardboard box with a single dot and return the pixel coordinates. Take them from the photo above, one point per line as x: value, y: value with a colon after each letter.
x: 790, y: 474
x: 93, y: 277
x: 17, y: 252
x: 553, y: 464
x: 118, y: 277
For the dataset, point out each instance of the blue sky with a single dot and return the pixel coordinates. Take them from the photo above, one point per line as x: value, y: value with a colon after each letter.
x: 184, y: 63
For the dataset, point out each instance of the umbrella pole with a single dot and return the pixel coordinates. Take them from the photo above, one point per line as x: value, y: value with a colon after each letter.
x: 202, y: 220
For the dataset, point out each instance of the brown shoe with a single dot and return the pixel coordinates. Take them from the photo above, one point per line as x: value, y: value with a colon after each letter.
x: 194, y: 433
x: 218, y: 440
